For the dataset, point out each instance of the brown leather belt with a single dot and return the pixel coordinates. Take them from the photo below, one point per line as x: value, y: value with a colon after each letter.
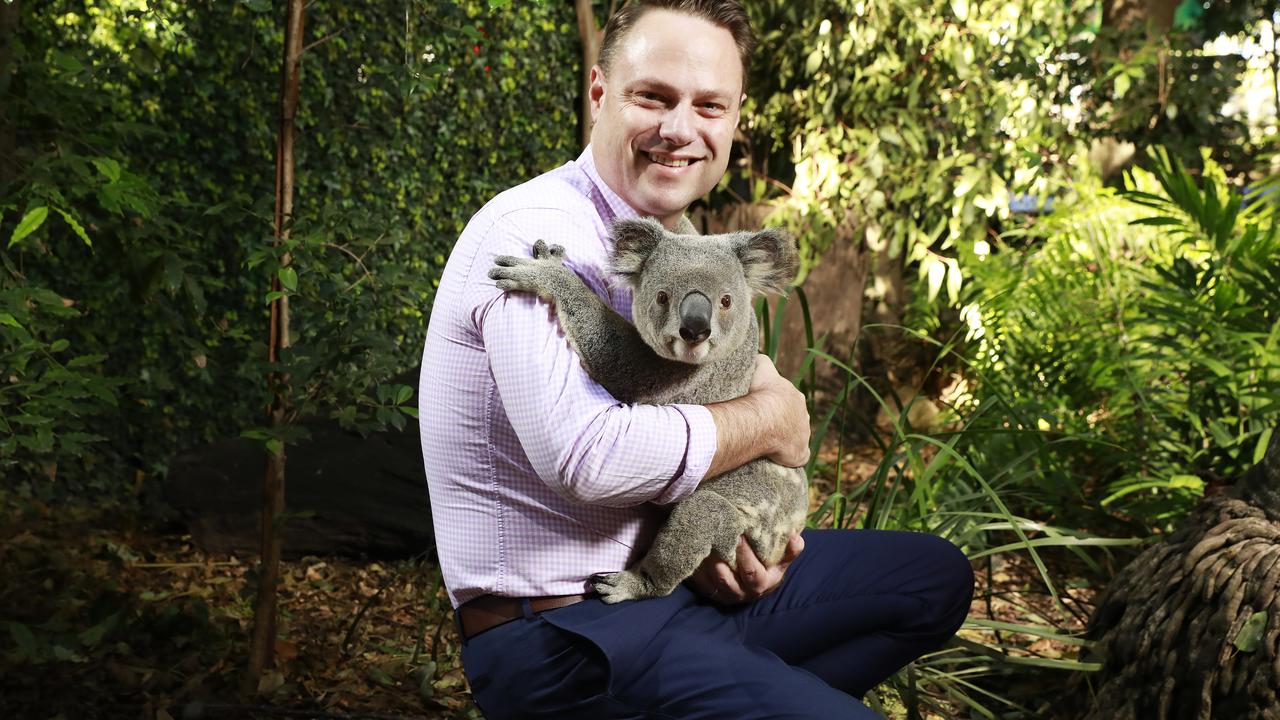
x: 489, y: 611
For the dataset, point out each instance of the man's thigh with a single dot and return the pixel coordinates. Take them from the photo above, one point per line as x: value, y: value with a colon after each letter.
x: 695, y: 667
x: 857, y: 605
x: 694, y: 675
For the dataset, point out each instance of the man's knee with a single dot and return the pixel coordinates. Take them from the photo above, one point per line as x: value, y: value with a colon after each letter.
x: 952, y: 586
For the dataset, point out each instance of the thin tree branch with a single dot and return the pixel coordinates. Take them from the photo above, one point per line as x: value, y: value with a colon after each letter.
x: 323, y: 40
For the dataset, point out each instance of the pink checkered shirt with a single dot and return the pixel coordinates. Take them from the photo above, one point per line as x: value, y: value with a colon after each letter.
x: 538, y: 477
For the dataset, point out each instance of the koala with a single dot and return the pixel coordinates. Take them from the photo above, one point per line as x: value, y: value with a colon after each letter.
x: 694, y: 340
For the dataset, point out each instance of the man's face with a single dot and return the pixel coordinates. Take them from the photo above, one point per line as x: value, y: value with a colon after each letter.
x: 666, y: 114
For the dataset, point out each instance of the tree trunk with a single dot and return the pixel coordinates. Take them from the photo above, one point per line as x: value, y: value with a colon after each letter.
x: 262, y: 643
x: 1110, y: 155
x: 590, y: 35
x: 1190, y: 629
x: 9, y: 14
x: 1124, y: 14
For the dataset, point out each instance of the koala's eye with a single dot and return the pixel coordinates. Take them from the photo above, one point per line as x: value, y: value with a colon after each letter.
x: 725, y: 302
x: 662, y: 298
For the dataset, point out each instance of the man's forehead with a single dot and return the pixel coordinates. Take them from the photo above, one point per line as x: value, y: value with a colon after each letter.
x: 679, y: 38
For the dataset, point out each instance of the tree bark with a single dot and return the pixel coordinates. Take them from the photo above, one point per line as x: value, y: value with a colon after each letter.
x: 1124, y: 14
x: 9, y: 14
x: 262, y: 642
x: 1188, y: 630
x: 590, y: 34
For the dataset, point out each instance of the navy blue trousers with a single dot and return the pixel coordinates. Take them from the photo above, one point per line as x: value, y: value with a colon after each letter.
x: 856, y: 606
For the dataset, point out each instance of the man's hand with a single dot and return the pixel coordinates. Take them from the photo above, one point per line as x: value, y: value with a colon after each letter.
x: 717, y: 582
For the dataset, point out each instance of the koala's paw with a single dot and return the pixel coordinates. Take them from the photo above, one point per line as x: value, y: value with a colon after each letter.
x: 543, y: 251
x: 529, y: 274
x: 619, y: 586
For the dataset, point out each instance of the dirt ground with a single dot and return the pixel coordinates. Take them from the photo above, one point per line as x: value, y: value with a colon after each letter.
x: 108, y: 617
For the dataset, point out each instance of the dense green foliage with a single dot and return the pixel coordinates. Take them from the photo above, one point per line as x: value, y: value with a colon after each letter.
x: 146, y: 136
x: 909, y: 124
x: 1122, y: 351
x: 1140, y: 331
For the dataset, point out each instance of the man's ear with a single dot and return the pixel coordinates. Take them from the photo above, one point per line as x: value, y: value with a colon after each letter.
x: 768, y: 260
x: 633, y: 242
x: 595, y: 90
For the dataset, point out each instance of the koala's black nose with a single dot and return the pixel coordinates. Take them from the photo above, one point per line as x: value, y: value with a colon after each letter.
x: 695, y: 318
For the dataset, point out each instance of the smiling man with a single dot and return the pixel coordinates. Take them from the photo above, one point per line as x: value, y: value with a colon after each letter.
x: 539, y: 479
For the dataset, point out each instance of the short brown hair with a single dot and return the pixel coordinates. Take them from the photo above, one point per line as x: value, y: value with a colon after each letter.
x: 727, y: 14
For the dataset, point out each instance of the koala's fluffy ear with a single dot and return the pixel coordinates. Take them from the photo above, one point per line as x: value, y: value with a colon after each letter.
x: 768, y: 259
x: 633, y: 241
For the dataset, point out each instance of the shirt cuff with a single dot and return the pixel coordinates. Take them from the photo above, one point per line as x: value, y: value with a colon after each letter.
x: 698, y: 453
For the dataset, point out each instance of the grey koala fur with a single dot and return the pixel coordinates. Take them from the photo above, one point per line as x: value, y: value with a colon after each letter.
x: 698, y: 285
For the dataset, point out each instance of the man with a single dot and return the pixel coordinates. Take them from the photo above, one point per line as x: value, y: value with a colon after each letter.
x: 539, y: 479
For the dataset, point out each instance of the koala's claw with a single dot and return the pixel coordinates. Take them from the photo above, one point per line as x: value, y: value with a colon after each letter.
x: 543, y: 251
x: 528, y: 274
x: 619, y: 586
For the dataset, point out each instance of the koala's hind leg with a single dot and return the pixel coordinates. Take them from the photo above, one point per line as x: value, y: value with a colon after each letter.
x: 702, y: 524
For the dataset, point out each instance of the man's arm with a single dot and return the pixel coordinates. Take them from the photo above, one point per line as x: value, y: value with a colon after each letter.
x: 579, y: 439
x: 771, y: 421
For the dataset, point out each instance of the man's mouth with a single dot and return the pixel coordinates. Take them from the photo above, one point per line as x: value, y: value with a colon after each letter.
x: 667, y: 161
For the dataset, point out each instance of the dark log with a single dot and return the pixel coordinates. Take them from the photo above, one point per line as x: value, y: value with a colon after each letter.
x: 1177, y: 631
x: 348, y: 495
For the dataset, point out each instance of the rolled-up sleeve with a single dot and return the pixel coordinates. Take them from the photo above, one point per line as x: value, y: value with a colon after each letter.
x: 582, y: 442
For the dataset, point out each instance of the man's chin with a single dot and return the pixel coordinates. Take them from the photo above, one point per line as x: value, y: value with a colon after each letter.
x: 666, y: 205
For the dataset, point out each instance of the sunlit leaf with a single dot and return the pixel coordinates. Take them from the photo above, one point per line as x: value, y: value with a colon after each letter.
x: 29, y: 223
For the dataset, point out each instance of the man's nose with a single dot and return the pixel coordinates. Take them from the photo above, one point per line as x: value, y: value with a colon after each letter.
x: 677, y: 125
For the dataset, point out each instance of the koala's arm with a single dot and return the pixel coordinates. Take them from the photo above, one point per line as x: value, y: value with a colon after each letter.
x: 610, y: 347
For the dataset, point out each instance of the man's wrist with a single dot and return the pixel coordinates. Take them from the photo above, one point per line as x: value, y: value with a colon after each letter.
x: 743, y: 433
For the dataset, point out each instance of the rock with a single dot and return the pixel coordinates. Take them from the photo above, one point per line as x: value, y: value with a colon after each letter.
x: 344, y: 494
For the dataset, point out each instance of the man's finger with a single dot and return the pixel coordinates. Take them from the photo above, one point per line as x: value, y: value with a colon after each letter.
x: 795, y: 546
x: 752, y: 574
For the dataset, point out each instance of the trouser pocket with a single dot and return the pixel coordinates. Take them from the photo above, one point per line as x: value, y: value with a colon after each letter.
x: 530, y: 668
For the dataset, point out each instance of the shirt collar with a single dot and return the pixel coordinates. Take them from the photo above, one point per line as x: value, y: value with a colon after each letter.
x: 613, y: 205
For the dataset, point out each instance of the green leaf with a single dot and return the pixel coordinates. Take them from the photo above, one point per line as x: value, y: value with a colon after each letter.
x: 288, y: 278
x: 93, y: 636
x: 67, y: 62
x: 403, y: 394
x: 258, y: 6
x: 29, y: 223
x: 1122, y: 86
x: 273, y: 296
x: 25, y: 641
x: 1249, y: 639
x: 109, y: 168
x: 76, y: 227
x: 1216, y: 366
x: 7, y: 319
x: 1259, y: 450
x: 59, y: 345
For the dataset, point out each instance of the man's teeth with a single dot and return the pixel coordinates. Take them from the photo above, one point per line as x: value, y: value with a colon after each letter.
x: 669, y: 162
